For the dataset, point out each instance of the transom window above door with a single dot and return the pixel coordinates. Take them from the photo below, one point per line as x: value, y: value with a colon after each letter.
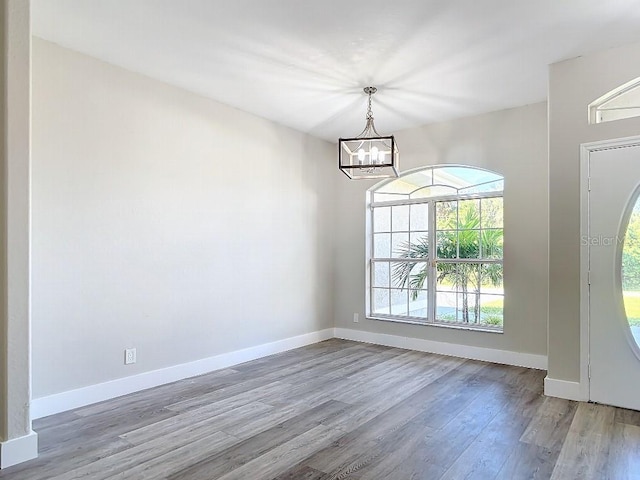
x: 620, y: 103
x: 435, y: 248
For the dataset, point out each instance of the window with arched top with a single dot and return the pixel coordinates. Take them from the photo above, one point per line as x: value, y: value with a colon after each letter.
x: 619, y: 103
x: 434, y: 248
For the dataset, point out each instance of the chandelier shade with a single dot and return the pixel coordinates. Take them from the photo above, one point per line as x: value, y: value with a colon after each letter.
x: 368, y: 155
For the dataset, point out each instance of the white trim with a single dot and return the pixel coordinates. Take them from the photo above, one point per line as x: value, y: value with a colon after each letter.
x: 60, y: 402
x: 464, y: 351
x: 585, y: 151
x: 440, y: 198
x: 18, y: 450
x: 613, y: 143
x: 565, y: 389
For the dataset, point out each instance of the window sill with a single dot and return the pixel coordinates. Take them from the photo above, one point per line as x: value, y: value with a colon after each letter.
x: 455, y: 326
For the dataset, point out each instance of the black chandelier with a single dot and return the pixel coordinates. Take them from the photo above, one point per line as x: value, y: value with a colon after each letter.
x: 369, y: 155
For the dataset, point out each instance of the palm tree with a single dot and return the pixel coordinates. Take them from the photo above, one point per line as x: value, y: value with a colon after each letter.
x: 402, y: 272
x: 463, y: 242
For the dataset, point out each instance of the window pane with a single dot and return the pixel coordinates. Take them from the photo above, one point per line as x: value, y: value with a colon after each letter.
x: 468, y: 307
x: 446, y: 215
x: 418, y: 303
x: 469, y: 243
x: 458, y: 288
x: 381, y: 274
x: 447, y: 274
x: 382, y: 245
x: 380, y: 301
x: 420, y: 217
x: 468, y: 223
x: 399, y: 302
x: 445, y: 306
x: 420, y: 244
x: 417, y: 179
x: 630, y: 270
x: 492, y: 212
x: 492, y: 243
x: 608, y: 114
x: 461, y: 176
x: 468, y: 277
x: 400, y: 218
x: 447, y: 244
x: 461, y: 276
x: 491, y: 278
x: 491, y: 310
x: 409, y: 275
x: 468, y: 214
x: 401, y: 186
x: 387, y: 197
x: 497, y: 186
x: 382, y: 219
x: 434, y: 191
x: 400, y: 245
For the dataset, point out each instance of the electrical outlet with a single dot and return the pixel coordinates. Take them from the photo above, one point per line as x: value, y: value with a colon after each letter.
x: 130, y: 356
x: 356, y: 317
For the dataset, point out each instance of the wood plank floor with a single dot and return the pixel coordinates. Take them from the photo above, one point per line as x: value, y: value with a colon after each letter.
x: 341, y: 410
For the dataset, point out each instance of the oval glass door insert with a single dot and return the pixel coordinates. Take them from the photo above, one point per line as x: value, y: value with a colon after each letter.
x: 631, y: 272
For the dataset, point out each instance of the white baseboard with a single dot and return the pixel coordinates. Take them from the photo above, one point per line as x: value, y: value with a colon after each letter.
x: 44, y: 406
x: 18, y: 450
x: 60, y: 402
x: 564, y: 389
x: 476, y: 353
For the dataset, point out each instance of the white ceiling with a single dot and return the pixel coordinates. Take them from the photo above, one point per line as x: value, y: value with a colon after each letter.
x: 303, y: 63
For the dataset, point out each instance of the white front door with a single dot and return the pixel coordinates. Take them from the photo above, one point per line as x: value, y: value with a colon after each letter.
x: 614, y: 354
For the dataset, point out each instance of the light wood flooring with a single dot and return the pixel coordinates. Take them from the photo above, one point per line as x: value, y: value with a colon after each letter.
x: 341, y: 410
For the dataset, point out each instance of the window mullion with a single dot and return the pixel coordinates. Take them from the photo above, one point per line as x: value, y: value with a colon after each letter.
x: 391, y: 254
x: 410, y: 240
x: 371, y: 261
x: 431, y: 268
x: 480, y: 225
x: 457, y: 229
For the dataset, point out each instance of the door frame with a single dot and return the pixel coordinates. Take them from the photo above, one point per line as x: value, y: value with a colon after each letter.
x: 585, y: 154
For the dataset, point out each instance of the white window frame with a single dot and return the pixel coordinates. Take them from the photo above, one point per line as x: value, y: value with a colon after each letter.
x: 430, y: 261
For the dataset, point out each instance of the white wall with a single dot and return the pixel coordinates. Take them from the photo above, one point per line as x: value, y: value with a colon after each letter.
x: 511, y: 142
x: 573, y: 85
x: 167, y: 222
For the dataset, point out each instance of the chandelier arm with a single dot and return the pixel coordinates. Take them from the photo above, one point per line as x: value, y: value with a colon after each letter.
x: 368, y: 129
x: 363, y: 133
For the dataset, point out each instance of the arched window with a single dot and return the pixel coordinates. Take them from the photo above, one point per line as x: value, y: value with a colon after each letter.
x: 622, y: 102
x: 435, y: 242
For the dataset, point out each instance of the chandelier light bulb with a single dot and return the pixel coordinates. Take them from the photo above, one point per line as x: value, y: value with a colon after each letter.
x: 380, y: 157
x: 374, y: 154
x: 361, y: 155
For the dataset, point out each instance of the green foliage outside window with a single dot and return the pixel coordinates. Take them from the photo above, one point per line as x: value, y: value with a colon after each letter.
x: 459, y: 237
